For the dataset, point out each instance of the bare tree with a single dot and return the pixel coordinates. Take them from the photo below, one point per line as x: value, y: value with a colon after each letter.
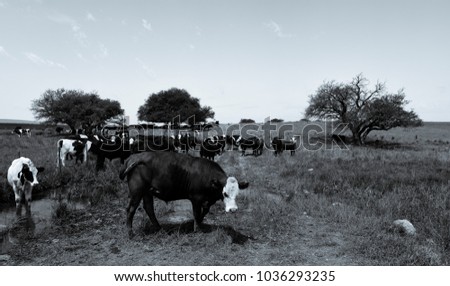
x: 361, y: 109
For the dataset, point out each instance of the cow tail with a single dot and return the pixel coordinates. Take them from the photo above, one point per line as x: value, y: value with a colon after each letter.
x: 125, y: 169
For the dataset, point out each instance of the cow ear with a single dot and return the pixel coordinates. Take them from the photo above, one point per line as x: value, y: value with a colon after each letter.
x: 40, y: 169
x: 243, y: 185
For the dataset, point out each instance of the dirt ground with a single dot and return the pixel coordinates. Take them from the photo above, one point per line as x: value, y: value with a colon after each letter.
x: 97, y: 236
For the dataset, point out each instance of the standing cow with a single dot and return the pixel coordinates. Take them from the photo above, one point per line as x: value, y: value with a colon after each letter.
x: 77, y: 148
x: 172, y: 176
x: 254, y: 143
x: 279, y: 145
x: 211, y: 147
x: 22, y: 176
x: 22, y: 131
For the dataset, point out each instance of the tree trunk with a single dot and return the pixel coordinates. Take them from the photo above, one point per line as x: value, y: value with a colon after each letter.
x: 356, y: 136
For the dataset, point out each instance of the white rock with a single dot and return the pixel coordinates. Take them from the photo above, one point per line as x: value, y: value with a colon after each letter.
x: 404, y: 226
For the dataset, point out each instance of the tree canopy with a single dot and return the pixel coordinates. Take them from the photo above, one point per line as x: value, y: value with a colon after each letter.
x: 75, y: 108
x: 361, y: 109
x: 174, y: 106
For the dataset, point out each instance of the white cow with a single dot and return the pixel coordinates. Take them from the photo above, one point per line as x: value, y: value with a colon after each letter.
x: 22, y: 176
x: 73, y: 147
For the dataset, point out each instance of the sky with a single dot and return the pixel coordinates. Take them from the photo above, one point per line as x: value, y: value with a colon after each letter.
x: 244, y: 58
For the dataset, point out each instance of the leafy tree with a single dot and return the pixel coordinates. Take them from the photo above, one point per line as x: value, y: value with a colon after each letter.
x: 75, y: 108
x: 363, y: 110
x: 246, y: 121
x: 174, y: 106
x: 276, y: 120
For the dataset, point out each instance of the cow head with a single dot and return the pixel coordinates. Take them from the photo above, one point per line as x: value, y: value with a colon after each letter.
x: 29, y: 175
x: 230, y: 192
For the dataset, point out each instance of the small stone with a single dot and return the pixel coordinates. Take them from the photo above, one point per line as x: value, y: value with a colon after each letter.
x: 404, y: 226
x: 4, y: 258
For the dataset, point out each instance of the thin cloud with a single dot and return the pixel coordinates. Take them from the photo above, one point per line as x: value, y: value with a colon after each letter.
x: 90, y: 17
x: 103, y: 51
x: 81, y: 57
x: 43, y: 62
x: 198, y: 31
x: 276, y: 28
x: 147, y: 25
x: 148, y: 71
x: 4, y: 53
x: 78, y: 34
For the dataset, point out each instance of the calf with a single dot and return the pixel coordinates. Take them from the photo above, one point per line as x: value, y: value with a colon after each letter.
x: 171, y: 176
x: 22, y: 176
x: 72, y: 147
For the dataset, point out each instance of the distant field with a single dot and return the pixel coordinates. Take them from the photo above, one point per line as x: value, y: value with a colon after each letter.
x: 326, y: 207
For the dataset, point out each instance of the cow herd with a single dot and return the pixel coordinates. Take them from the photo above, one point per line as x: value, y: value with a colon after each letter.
x: 151, y: 173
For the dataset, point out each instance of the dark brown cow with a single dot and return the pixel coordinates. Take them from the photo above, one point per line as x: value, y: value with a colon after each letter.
x: 171, y: 176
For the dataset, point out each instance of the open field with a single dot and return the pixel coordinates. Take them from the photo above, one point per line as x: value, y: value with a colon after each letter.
x: 326, y: 207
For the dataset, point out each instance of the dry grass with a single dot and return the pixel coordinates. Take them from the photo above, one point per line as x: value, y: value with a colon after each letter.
x: 328, y: 203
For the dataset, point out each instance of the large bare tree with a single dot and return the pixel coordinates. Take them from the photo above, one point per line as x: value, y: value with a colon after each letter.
x: 360, y: 108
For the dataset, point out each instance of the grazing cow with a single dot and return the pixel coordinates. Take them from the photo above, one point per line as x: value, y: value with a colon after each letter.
x: 110, y: 149
x: 279, y: 145
x: 211, y: 147
x: 172, y: 176
x: 22, y: 131
x: 254, y: 143
x: 22, y: 176
x: 72, y: 147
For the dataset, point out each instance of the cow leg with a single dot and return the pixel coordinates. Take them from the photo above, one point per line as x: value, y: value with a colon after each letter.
x: 18, y: 198
x: 150, y: 210
x: 61, y: 157
x: 27, y: 191
x: 199, y: 213
x: 135, y: 199
x: 100, y: 163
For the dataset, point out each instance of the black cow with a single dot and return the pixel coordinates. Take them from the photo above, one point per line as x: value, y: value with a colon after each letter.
x: 185, y: 142
x: 279, y: 145
x: 172, y: 176
x: 110, y: 149
x: 211, y: 147
x: 254, y: 143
